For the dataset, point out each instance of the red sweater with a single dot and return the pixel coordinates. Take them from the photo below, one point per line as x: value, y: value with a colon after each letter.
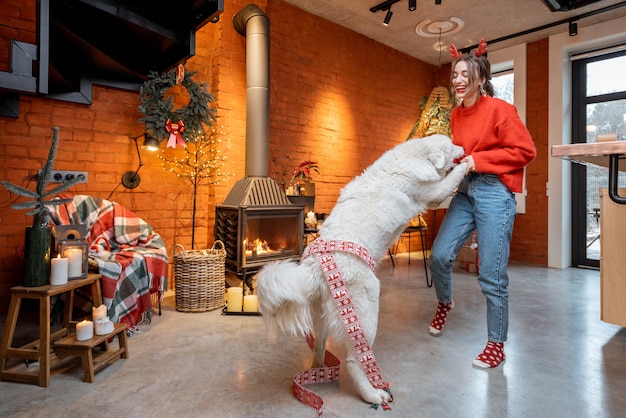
x: 494, y: 135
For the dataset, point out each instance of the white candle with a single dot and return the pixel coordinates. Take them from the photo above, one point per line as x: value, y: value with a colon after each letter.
x: 84, y: 330
x: 99, y: 312
x: 75, y: 257
x: 250, y: 303
x: 59, y: 271
x: 103, y: 326
x: 234, y: 299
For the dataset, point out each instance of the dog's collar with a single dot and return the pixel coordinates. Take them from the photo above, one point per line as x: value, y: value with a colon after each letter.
x: 321, y: 246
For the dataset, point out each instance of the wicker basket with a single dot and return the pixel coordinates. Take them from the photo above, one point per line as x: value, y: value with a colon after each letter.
x: 199, y: 278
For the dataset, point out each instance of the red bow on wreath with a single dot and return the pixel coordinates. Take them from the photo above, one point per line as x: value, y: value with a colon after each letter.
x: 175, y: 130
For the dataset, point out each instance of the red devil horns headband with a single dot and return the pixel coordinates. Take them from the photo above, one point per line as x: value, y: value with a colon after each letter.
x: 481, y: 50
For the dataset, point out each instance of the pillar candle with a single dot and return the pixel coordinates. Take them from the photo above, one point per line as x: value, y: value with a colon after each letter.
x: 234, y: 299
x: 75, y: 257
x: 59, y: 271
x: 103, y: 326
x: 250, y: 303
x: 99, y: 312
x: 84, y: 330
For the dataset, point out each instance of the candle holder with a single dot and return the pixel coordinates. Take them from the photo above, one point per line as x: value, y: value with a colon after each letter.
x: 70, y: 239
x: 77, y: 253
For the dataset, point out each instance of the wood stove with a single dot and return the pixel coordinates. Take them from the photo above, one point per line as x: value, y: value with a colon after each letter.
x: 257, y: 223
x: 256, y: 235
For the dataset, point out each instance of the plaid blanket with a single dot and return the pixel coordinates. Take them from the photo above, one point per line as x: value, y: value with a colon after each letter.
x: 133, y: 265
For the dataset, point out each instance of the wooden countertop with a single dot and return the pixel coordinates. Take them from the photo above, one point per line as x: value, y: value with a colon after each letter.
x: 605, y: 154
x: 596, y: 153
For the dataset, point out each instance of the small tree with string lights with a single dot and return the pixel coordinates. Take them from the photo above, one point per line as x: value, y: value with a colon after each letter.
x: 201, y: 161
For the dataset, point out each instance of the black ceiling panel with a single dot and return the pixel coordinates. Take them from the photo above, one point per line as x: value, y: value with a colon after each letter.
x: 121, y: 41
x: 565, y: 5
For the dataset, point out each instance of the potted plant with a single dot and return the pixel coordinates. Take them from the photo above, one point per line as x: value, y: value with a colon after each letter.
x: 38, y: 237
x: 301, y: 176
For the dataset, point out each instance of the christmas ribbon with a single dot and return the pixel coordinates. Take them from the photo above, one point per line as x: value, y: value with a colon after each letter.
x: 175, y: 130
x: 330, y: 371
x: 180, y: 74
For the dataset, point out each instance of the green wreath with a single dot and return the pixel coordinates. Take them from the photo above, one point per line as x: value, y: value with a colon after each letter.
x: 157, y: 111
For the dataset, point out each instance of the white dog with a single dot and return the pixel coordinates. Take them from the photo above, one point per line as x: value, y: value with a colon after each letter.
x: 372, y: 211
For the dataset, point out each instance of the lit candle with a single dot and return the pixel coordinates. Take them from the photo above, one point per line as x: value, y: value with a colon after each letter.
x: 84, y: 330
x: 99, y: 312
x: 244, y: 254
x: 250, y: 303
x: 59, y: 271
x: 75, y: 257
x: 234, y: 299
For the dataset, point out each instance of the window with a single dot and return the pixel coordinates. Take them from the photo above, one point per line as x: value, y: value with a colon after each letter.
x: 598, y: 110
x: 504, y: 85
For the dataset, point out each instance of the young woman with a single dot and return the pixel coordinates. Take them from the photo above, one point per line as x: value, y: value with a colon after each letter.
x: 497, y: 148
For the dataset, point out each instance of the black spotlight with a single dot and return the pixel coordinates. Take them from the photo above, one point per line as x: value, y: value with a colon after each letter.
x: 387, y: 17
x: 412, y: 5
x: 437, y: 1
x: 573, y: 28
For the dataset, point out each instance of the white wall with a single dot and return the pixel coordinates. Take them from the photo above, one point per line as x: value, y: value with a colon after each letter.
x: 562, y: 46
x: 504, y: 59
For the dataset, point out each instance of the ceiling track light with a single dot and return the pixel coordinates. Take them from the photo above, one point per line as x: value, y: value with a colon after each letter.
x: 386, y: 5
x: 437, y: 1
x: 388, y: 17
x: 573, y: 28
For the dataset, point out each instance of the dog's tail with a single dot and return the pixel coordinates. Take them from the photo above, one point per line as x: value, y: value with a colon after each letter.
x: 285, y: 290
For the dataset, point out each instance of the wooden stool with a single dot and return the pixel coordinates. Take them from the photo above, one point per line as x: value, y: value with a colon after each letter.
x: 93, y: 362
x: 39, y: 350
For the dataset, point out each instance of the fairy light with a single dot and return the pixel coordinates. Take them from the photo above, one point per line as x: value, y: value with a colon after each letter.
x: 202, y: 159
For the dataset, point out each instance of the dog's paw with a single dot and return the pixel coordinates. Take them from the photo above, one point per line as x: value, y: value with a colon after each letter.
x: 458, y: 171
x: 377, y: 396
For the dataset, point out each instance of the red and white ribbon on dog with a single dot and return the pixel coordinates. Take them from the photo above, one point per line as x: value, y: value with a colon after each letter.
x: 324, y: 253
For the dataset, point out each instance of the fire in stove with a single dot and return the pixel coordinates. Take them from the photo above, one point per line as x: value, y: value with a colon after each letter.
x: 256, y: 235
x: 257, y: 248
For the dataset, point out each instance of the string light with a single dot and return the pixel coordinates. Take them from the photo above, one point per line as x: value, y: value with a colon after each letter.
x: 202, y: 159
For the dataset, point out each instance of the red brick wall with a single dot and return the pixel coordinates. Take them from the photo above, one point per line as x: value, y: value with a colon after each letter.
x: 530, y: 236
x: 341, y: 106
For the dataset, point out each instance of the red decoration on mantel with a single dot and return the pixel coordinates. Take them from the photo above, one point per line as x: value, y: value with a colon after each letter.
x: 175, y: 130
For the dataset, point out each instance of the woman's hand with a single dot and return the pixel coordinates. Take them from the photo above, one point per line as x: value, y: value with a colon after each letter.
x: 471, y: 166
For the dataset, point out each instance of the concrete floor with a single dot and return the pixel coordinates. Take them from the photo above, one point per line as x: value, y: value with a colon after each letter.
x: 562, y: 361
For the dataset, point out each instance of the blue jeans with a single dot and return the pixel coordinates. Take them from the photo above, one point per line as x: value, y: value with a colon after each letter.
x: 483, y: 203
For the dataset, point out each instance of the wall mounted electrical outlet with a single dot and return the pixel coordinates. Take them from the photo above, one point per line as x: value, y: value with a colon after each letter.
x: 59, y: 176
